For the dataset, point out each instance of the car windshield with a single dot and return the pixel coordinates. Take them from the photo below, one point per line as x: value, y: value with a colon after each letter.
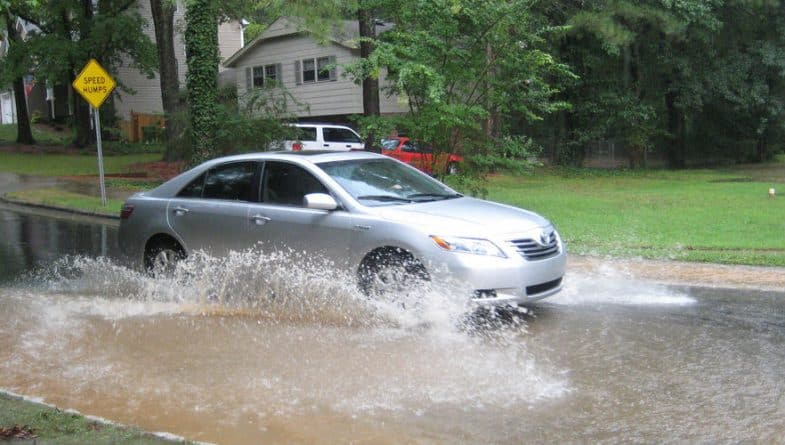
x: 376, y: 182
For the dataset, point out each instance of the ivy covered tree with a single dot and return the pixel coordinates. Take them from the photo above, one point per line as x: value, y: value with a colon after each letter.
x: 201, y: 42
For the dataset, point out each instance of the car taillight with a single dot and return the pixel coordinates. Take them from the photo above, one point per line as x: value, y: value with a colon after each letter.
x: 126, y: 211
x: 297, y: 146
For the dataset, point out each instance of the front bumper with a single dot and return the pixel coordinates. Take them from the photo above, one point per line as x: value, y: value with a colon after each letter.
x: 494, y: 281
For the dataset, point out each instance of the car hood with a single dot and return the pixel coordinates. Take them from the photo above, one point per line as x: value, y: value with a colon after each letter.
x: 465, y: 217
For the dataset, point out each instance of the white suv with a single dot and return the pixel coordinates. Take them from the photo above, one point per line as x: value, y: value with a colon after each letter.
x: 324, y: 137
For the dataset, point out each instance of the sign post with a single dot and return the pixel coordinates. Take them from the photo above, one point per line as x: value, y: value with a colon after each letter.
x: 95, y: 85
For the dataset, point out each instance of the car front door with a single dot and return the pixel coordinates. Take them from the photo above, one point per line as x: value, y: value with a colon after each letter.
x: 281, y: 221
x: 211, y: 213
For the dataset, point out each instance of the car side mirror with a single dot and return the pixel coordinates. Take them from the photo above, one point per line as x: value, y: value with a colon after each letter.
x: 320, y: 201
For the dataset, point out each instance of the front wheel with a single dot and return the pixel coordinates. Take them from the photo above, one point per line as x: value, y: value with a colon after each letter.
x: 391, y: 275
x: 452, y: 168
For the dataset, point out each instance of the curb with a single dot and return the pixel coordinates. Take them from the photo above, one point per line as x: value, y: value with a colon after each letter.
x: 55, y: 208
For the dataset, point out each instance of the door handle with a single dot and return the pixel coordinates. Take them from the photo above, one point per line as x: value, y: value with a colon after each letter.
x: 180, y: 211
x: 260, y: 220
x: 326, y: 145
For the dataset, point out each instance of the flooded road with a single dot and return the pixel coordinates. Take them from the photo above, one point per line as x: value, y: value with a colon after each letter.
x: 244, y: 350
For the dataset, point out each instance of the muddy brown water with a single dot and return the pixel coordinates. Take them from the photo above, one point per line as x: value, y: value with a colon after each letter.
x: 244, y: 353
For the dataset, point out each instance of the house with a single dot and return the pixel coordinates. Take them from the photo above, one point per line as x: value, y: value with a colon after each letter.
x: 286, y: 52
x: 143, y: 104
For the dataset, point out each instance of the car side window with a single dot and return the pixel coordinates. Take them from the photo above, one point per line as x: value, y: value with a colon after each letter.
x: 306, y: 133
x: 408, y: 146
x: 287, y: 184
x: 193, y: 189
x: 232, y: 182
x: 339, y: 135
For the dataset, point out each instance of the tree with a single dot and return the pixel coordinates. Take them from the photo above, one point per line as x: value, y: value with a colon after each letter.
x: 437, y: 59
x: 70, y: 32
x: 163, y: 20
x: 201, y: 49
x: 17, y: 64
x: 370, y: 81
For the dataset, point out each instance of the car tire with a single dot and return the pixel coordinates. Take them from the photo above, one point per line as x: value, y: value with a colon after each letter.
x: 162, y: 256
x: 452, y: 168
x: 389, y: 274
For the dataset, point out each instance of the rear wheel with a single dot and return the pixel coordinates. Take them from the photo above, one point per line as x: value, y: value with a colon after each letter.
x: 161, y: 257
x: 391, y: 275
x: 452, y: 168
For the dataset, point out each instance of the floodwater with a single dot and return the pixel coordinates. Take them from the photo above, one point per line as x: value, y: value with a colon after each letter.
x: 283, y: 350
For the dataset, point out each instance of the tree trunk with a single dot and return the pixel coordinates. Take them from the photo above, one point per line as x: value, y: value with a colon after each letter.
x: 163, y: 19
x: 201, y: 43
x: 81, y: 107
x: 24, y: 133
x: 370, y: 85
x: 675, y: 151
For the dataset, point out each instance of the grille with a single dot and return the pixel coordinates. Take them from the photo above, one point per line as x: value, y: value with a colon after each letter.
x: 533, y: 250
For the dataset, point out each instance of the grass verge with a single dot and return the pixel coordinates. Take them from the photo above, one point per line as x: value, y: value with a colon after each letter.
x: 59, y: 198
x: 38, y: 424
x: 689, y: 215
x: 69, y: 164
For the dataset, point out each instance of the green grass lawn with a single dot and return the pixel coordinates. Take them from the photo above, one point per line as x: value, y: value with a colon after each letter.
x: 69, y: 164
x: 693, y: 215
x: 51, y: 426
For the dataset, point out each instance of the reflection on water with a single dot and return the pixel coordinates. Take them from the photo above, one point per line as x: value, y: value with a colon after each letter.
x: 282, y: 349
x: 29, y: 240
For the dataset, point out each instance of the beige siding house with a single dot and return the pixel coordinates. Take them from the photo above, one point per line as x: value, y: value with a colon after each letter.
x: 287, y: 53
x: 146, y: 97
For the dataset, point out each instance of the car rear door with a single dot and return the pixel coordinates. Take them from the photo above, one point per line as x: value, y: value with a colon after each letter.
x: 211, y: 213
x: 340, y: 138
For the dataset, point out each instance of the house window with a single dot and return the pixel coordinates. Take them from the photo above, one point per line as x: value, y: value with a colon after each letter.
x: 265, y: 75
x: 318, y: 69
x: 322, y: 73
x: 309, y: 70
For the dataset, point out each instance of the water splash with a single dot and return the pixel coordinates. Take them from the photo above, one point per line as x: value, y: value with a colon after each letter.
x: 612, y: 284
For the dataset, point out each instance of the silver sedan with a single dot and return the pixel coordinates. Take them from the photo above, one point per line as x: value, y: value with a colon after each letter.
x: 373, y: 215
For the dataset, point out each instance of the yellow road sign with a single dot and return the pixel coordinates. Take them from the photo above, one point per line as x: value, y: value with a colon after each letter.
x: 94, y: 83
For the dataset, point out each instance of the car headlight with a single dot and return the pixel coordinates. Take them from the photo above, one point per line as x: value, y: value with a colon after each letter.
x: 476, y: 246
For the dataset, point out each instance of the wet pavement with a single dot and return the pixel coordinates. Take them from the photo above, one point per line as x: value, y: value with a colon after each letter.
x: 242, y: 350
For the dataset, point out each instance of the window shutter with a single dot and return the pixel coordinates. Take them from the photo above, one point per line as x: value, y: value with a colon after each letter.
x: 334, y: 69
x: 248, y: 79
x: 279, y: 74
x: 298, y: 74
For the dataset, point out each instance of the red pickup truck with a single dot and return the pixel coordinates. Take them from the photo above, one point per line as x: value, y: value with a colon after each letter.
x: 425, y: 159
